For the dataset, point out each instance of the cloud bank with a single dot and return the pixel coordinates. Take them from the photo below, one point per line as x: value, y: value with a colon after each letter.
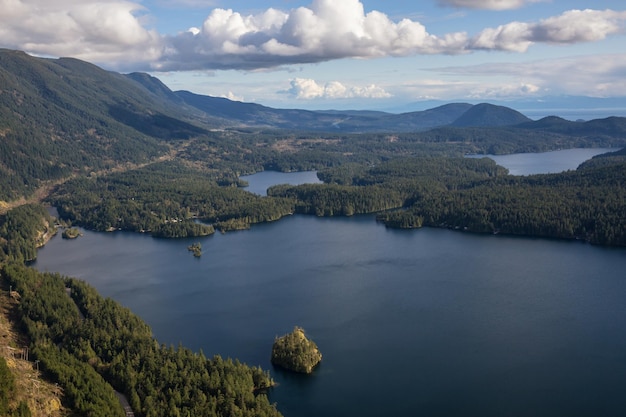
x: 304, y: 88
x: 114, y: 33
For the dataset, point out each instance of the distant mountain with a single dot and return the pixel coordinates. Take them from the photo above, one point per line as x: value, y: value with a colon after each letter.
x: 484, y: 114
x: 569, y: 107
x: 610, y: 126
x: 252, y: 114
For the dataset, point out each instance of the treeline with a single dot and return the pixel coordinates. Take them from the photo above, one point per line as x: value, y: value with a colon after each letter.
x: 93, y: 346
x: 166, y: 199
x: 397, y: 183
x: 475, y: 195
x: 22, y: 230
x: 585, y: 204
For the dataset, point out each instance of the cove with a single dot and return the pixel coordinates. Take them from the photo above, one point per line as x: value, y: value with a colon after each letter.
x: 421, y: 322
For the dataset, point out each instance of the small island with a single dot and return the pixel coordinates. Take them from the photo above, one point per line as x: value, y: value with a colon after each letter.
x: 196, y: 248
x: 295, y: 352
x: 71, y: 233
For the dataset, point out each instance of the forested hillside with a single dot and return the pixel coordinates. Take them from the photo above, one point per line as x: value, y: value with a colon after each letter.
x: 92, y: 346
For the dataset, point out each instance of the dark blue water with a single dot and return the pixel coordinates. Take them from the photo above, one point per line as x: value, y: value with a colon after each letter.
x: 425, y: 322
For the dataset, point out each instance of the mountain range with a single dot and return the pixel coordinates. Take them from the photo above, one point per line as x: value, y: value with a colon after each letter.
x: 79, y: 90
x: 59, y: 117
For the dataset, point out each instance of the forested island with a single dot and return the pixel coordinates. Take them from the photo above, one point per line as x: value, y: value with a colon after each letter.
x: 295, y: 352
x: 141, y: 158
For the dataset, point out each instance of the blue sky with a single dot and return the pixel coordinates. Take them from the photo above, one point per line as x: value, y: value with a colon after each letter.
x: 321, y: 54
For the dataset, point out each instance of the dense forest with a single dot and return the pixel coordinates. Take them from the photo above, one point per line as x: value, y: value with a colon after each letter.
x: 477, y: 196
x: 93, y: 346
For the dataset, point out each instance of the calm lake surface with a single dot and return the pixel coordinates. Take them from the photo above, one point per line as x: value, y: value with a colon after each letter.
x: 422, y: 322
x: 261, y: 181
x: 545, y: 162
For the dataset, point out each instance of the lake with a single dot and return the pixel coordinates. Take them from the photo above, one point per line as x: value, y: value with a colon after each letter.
x: 545, y: 162
x: 410, y: 322
x: 261, y: 181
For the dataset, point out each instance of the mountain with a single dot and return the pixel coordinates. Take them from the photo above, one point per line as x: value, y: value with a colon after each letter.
x: 484, y: 114
x: 609, y: 126
x: 65, y: 117
x: 61, y: 117
x: 348, y: 121
x: 569, y: 107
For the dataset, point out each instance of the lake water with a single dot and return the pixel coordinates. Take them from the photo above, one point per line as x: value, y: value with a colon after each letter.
x: 261, y: 181
x: 410, y: 322
x: 545, y: 162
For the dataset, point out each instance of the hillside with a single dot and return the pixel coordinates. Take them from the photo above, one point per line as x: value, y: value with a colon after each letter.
x: 58, y: 118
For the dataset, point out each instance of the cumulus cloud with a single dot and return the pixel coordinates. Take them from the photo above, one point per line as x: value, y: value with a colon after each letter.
x: 487, y: 4
x: 328, y: 30
x: 115, y: 34
x: 573, y: 26
x: 104, y: 31
x: 306, y: 88
x: 333, y: 30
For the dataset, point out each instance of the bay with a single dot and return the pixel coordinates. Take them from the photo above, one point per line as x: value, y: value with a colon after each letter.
x: 545, y: 162
x: 430, y: 322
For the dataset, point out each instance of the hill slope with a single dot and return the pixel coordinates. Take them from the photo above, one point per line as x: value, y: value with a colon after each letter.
x: 64, y: 116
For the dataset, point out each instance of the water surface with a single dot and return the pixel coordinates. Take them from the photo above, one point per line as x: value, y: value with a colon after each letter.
x: 424, y: 322
x: 259, y: 183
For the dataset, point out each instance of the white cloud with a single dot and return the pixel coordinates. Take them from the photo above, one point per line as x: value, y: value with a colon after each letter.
x: 103, y: 32
x: 114, y: 34
x: 232, y: 96
x: 327, y: 30
x: 487, y: 4
x: 573, y: 26
x: 307, y: 89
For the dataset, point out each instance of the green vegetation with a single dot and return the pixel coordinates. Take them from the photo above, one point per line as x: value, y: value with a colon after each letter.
x: 71, y: 233
x: 7, y: 393
x: 476, y: 195
x: 295, y: 352
x: 23, y: 230
x: 165, y: 199
x: 92, y: 346
x: 196, y: 248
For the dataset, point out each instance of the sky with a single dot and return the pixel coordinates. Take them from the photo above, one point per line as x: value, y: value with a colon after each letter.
x: 340, y: 54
